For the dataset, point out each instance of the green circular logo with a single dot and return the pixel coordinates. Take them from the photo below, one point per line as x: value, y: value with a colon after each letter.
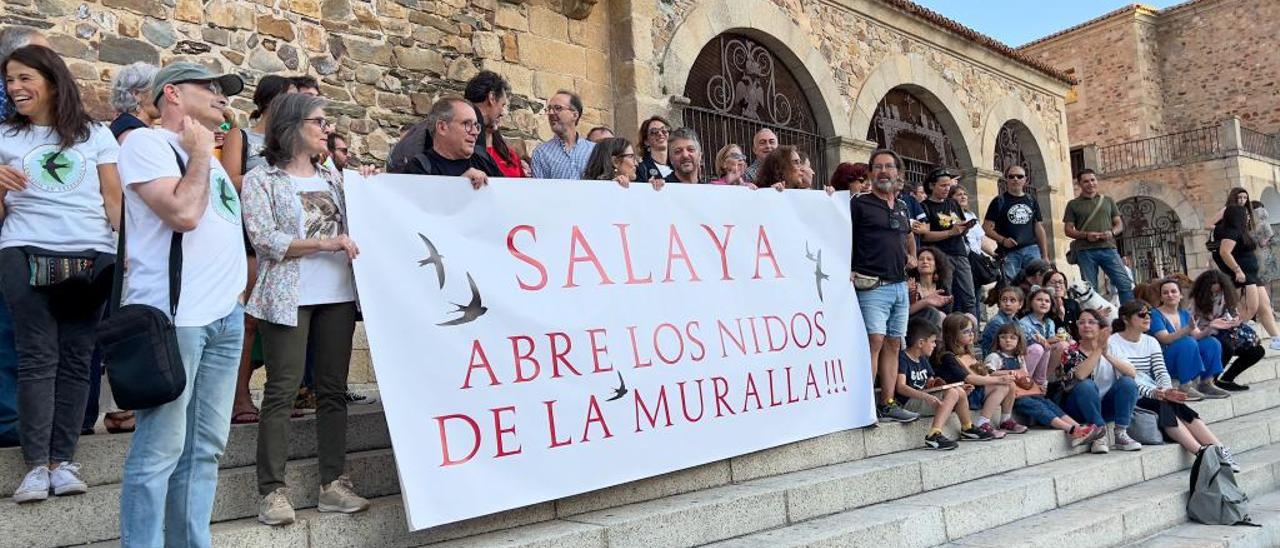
x: 222, y: 194
x: 53, y: 169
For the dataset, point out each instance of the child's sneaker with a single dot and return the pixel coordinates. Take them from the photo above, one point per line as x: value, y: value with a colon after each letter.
x: 895, y: 413
x: 939, y: 442
x: 1086, y: 433
x: 1011, y: 426
x: 979, y: 433
x: 1126, y: 443
x: 996, y: 433
x: 66, y: 480
x: 1099, y: 447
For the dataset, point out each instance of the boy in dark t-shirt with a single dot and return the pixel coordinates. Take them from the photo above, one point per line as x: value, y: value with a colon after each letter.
x: 914, y: 374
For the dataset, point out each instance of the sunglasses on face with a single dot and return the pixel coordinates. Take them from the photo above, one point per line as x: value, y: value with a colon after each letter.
x: 1018, y: 177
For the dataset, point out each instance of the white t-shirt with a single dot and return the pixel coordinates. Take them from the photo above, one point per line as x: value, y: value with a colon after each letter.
x: 323, y: 277
x: 214, y: 270
x: 62, y: 207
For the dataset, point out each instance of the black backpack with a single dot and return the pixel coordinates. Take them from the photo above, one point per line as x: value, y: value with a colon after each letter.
x: 1215, y: 498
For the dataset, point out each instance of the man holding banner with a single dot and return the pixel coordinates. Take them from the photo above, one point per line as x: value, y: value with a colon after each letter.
x: 878, y: 272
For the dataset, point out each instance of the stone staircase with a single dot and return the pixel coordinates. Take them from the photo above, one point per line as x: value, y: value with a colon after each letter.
x: 872, y: 487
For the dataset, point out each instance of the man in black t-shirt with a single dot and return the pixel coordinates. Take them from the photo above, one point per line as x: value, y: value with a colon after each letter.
x: 881, y: 247
x: 1014, y: 221
x: 946, y: 232
x: 454, y: 129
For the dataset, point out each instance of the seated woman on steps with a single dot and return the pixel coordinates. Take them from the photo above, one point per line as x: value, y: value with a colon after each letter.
x: 1214, y: 299
x: 1192, y: 355
x: 1178, y: 422
x: 1094, y: 386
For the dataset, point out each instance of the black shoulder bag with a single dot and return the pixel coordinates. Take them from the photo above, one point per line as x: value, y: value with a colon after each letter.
x: 139, y: 342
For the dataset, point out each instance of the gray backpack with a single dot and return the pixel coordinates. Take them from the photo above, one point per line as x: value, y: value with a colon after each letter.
x: 1215, y: 498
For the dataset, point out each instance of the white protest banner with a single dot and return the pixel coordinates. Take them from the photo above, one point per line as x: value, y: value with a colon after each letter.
x: 537, y: 339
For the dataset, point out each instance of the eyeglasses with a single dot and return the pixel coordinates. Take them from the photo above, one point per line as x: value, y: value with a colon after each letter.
x: 340, y: 149
x: 884, y: 167
x: 1144, y: 314
x: 1084, y: 321
x: 659, y: 131
x: 322, y: 122
x: 627, y: 155
x: 210, y: 85
x: 471, y: 126
x: 966, y: 331
x: 1017, y: 177
x: 225, y: 127
x: 736, y: 156
x: 559, y: 108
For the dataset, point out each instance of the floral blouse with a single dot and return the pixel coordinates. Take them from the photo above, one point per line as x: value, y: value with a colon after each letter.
x: 271, y: 217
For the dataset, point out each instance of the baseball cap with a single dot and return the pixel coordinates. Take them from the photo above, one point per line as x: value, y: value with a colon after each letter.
x: 178, y: 73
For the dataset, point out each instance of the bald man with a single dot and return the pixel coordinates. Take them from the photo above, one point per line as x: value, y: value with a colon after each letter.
x: 764, y: 142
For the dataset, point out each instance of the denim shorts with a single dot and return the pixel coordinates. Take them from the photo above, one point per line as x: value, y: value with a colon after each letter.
x: 885, y: 309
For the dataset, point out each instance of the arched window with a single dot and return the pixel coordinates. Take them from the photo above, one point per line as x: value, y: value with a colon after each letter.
x: 736, y: 87
x: 904, y: 124
x: 1152, y: 238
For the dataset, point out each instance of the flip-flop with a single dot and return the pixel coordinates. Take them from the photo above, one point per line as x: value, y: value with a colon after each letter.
x: 245, y: 417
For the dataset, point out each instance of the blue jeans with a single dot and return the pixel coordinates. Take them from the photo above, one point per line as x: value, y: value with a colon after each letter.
x: 171, y: 471
x: 1018, y: 259
x: 1038, y: 409
x: 8, y: 381
x: 885, y: 309
x: 1085, y: 405
x: 1108, y: 259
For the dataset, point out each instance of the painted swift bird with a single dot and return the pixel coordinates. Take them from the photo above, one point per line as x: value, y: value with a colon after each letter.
x: 818, y: 274
x: 472, y: 310
x: 433, y: 258
x: 621, y: 390
x: 228, y: 200
x: 51, y: 166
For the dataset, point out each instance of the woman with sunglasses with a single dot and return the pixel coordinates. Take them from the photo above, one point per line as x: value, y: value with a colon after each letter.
x: 850, y: 176
x: 1096, y: 386
x: 1130, y: 343
x: 305, y: 298
x: 613, y: 159
x: 731, y: 163
x: 653, y: 148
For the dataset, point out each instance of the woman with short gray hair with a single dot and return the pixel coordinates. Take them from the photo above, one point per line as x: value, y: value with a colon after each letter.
x: 304, y: 297
x: 131, y: 98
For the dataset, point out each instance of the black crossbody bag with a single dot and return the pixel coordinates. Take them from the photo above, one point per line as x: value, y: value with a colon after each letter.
x: 139, y: 342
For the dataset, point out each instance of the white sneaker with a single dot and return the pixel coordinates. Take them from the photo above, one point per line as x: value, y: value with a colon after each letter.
x: 1126, y: 443
x: 1275, y: 343
x: 1099, y: 446
x: 66, y: 479
x: 275, y: 508
x: 34, y: 487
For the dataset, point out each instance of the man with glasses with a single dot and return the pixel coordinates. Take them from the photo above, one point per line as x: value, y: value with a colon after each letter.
x: 1014, y: 221
x: 565, y: 155
x: 454, y: 129
x: 411, y: 151
x: 762, y: 144
x: 881, y: 246
x: 173, y: 185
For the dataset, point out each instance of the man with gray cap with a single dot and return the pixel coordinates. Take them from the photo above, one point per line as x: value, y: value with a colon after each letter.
x: 176, y: 194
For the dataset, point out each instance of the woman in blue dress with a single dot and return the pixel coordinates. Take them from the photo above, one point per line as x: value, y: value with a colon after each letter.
x: 1193, y: 357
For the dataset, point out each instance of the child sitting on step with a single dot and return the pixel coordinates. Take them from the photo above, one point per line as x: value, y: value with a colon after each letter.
x: 1044, y: 346
x: 1028, y: 399
x: 956, y: 363
x: 915, y: 380
x: 1009, y: 302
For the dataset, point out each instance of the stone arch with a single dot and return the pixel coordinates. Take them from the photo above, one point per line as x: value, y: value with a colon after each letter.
x: 766, y: 23
x: 1154, y: 238
x: 1011, y: 109
x: 912, y: 73
x: 1270, y: 199
x: 1185, y: 209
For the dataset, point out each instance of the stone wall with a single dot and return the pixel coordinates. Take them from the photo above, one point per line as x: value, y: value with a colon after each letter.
x: 1113, y: 63
x: 1219, y: 60
x: 381, y: 62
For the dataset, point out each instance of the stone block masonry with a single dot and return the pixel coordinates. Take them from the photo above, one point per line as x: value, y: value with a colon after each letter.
x: 381, y: 62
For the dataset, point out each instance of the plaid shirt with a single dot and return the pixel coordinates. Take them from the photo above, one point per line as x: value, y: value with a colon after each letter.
x: 550, y: 161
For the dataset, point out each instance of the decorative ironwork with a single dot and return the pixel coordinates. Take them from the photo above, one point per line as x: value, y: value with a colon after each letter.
x: 1260, y: 143
x: 737, y: 76
x: 1156, y: 151
x: 903, y: 124
x: 735, y: 88
x: 1152, y: 238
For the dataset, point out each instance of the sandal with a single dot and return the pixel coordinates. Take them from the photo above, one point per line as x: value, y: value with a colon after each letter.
x: 119, y: 423
x: 245, y: 417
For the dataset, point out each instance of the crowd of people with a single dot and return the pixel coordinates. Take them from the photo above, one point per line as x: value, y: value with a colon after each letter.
x: 256, y: 215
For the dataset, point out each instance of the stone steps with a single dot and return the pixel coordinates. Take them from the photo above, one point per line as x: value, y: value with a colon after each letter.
x: 875, y: 475
x: 997, y: 510
x: 1264, y: 510
x: 872, y: 470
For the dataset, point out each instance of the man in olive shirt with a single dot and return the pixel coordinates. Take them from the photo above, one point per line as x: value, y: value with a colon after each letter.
x: 1093, y: 221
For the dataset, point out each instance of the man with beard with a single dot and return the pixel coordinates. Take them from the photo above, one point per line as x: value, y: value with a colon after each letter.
x: 338, y: 151
x: 565, y: 155
x: 685, y: 155
x: 881, y: 246
x: 762, y: 144
x: 947, y: 227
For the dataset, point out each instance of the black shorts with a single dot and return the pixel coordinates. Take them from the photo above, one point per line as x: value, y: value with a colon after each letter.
x: 1168, y: 413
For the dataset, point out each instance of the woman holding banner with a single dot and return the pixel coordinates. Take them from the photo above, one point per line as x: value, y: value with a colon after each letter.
x: 305, y: 298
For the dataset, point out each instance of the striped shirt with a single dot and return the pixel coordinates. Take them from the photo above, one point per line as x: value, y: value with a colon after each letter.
x: 550, y: 161
x: 1147, y: 358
